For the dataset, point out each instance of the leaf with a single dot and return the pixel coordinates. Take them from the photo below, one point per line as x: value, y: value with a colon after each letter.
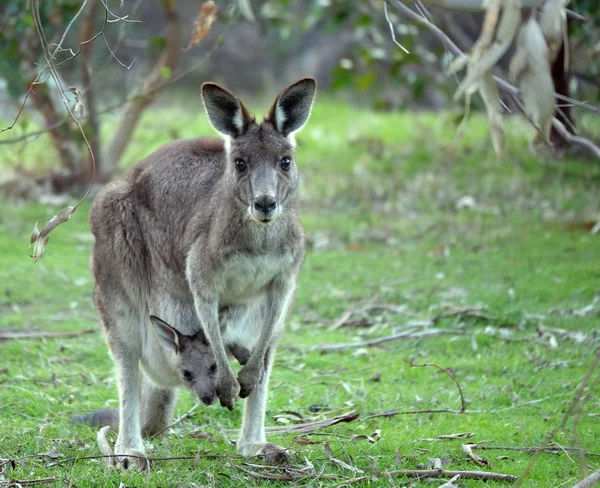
x: 450, y: 483
x: 491, y: 98
x: 246, y: 10
x: 199, y: 434
x: 304, y: 441
x: 530, y: 68
x: 39, y: 239
x: 203, y: 24
x: 487, y: 53
x: 468, y: 450
x: 553, y: 21
x: 373, y: 438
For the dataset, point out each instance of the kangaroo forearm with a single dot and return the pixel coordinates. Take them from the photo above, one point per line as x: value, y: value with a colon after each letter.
x: 281, y: 298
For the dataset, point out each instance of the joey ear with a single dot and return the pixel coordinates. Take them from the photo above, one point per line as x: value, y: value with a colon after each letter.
x: 226, y: 112
x: 292, y: 107
x: 168, y: 337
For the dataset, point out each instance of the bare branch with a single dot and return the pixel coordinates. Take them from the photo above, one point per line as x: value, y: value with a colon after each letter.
x: 392, y: 30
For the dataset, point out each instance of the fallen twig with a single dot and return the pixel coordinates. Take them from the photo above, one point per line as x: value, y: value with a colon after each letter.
x: 591, y: 480
x: 463, y: 405
x: 134, y: 456
x: 436, y: 473
x: 43, y: 334
x: 548, y: 449
x: 411, y: 333
x: 178, y: 420
x: 316, y: 425
x: 393, y: 413
x: 40, y: 481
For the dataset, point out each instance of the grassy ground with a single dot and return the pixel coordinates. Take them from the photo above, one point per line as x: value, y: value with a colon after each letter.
x: 512, y: 279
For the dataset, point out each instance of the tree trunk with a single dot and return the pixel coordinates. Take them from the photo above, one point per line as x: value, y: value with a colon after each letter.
x: 93, y: 125
x: 61, y: 138
x: 147, y: 91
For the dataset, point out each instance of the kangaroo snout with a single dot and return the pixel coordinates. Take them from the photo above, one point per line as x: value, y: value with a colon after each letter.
x: 264, y: 208
x: 207, y: 398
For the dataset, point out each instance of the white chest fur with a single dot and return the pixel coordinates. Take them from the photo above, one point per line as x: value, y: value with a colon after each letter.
x: 246, y: 278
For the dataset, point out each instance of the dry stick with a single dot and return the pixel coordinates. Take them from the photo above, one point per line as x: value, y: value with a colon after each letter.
x: 178, y: 420
x: 572, y: 406
x: 548, y: 449
x: 463, y: 405
x: 133, y: 456
x: 393, y: 413
x: 40, y: 481
x: 591, y: 480
x: 503, y: 84
x: 410, y: 333
x: 4, y: 336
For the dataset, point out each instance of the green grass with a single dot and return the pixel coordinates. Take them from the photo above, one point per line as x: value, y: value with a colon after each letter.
x: 379, y: 205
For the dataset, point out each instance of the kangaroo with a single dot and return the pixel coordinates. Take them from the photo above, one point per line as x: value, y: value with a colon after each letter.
x: 204, y: 233
x: 191, y: 363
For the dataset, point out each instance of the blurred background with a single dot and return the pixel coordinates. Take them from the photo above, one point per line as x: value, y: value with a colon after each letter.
x: 122, y: 58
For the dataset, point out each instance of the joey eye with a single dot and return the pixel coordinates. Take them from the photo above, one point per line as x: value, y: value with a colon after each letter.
x: 187, y: 375
x: 240, y: 165
x: 285, y: 164
x: 213, y: 368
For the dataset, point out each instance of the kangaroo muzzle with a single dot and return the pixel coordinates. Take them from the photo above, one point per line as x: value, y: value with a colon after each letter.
x: 265, y: 208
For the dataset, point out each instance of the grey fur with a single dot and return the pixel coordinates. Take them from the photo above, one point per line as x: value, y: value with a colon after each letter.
x: 187, y: 237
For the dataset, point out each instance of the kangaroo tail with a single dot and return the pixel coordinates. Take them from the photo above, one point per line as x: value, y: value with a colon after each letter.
x: 99, y: 418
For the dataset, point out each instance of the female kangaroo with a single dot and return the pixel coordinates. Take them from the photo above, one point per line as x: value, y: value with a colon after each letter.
x: 204, y: 233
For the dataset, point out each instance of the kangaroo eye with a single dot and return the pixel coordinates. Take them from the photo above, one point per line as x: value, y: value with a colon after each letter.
x: 285, y: 164
x: 213, y: 368
x: 187, y: 375
x: 240, y: 165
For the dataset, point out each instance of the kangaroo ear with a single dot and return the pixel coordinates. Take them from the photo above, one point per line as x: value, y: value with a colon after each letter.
x: 292, y: 107
x: 201, y: 336
x: 168, y: 337
x: 226, y: 112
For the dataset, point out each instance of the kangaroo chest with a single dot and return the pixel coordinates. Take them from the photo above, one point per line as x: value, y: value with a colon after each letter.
x: 246, y: 277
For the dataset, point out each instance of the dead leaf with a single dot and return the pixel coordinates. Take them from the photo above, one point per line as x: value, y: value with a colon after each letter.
x: 450, y: 483
x: 203, y: 24
x: 304, y: 441
x: 468, y: 450
x: 530, y: 68
x: 198, y: 434
x: 39, y: 239
x: 373, y: 438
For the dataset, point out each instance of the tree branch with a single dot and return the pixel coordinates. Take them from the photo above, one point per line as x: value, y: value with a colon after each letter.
x: 502, y: 84
x: 146, y: 94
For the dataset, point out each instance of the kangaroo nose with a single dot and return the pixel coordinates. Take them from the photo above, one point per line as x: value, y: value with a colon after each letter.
x: 265, y: 203
x: 207, y: 399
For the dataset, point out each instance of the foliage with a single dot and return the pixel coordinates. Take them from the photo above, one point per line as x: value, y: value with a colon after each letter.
x: 379, y: 203
x: 19, y: 43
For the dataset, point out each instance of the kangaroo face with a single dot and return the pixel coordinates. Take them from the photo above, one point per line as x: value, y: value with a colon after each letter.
x: 261, y: 169
x: 194, y: 359
x: 262, y: 172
